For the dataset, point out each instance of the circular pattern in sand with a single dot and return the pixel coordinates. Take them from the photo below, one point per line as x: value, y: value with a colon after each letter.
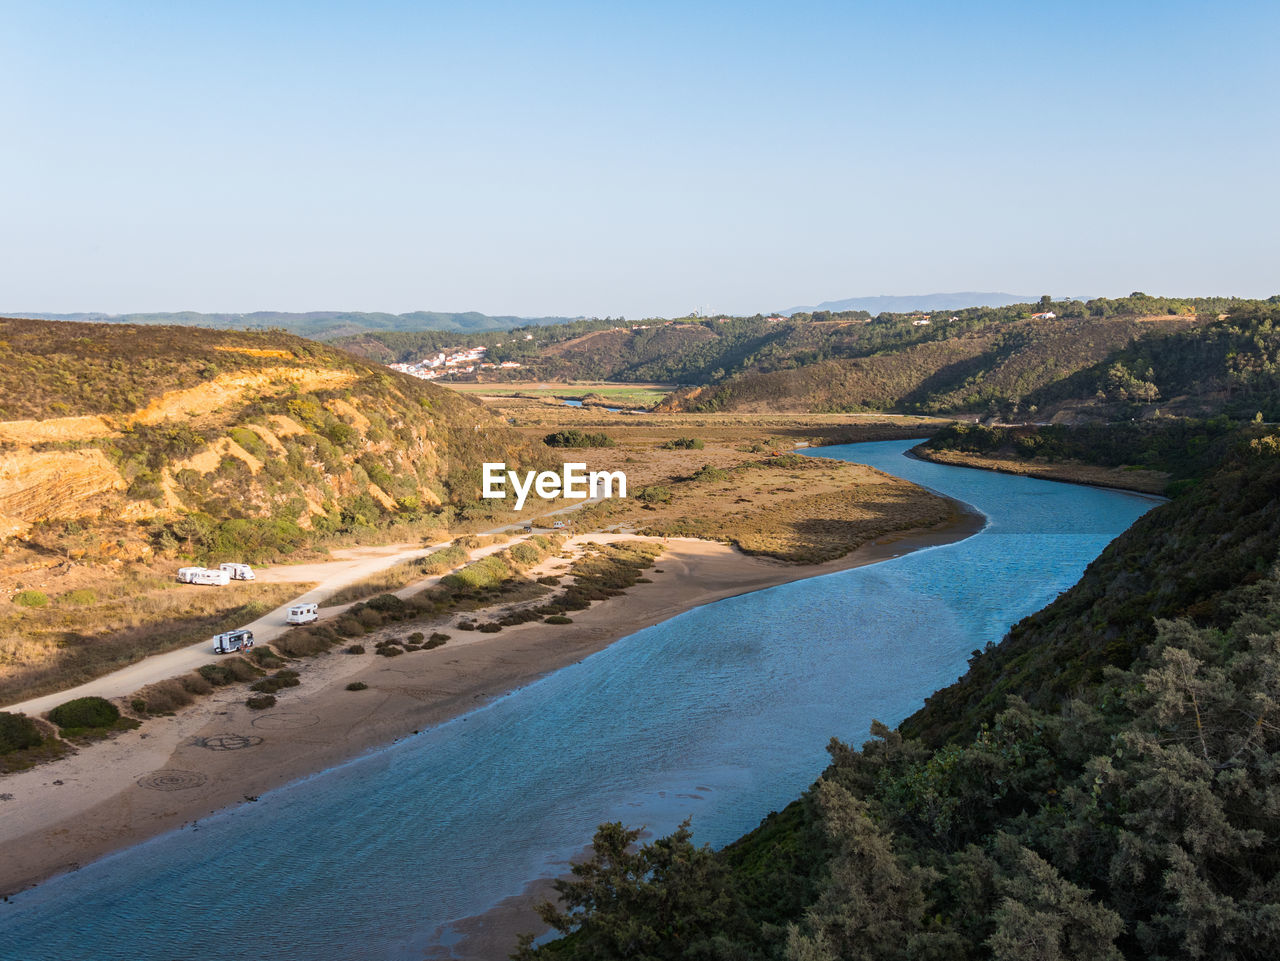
x: 281, y: 720
x: 172, y: 780
x: 227, y: 742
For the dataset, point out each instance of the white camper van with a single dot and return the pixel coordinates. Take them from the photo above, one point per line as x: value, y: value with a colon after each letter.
x: 238, y: 572
x: 232, y: 641
x: 204, y: 575
x: 303, y: 614
x: 187, y: 575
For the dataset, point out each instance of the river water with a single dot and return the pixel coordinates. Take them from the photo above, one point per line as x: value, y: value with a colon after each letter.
x: 722, y: 714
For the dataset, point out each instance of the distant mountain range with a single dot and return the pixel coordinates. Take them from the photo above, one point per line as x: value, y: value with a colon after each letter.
x: 315, y: 324
x: 912, y: 302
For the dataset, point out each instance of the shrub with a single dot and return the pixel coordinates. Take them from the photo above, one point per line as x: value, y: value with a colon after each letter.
x: 386, y: 604
x: 85, y: 712
x: 265, y: 657
x: 354, y: 649
x: 305, y: 641
x: 390, y: 650
x: 278, y: 680
x: 164, y: 697
x: 228, y: 671
x: 416, y: 637
x: 576, y: 438
x: 259, y: 702
x: 357, y: 686
x: 655, y: 494
x: 81, y: 596
x: 195, y: 683
x: 525, y: 554
x: 18, y: 732
x: 557, y: 619
x: 31, y: 598
x: 349, y: 626
x: 683, y: 443
x: 490, y: 628
x: 466, y: 625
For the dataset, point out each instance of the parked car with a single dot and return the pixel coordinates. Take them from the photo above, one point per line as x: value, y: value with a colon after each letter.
x: 232, y: 641
x: 303, y: 614
x: 558, y: 525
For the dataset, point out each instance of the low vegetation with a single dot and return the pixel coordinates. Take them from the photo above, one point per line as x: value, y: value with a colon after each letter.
x: 576, y: 438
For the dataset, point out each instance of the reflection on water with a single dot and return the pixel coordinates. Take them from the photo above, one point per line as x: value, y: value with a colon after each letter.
x: 722, y: 713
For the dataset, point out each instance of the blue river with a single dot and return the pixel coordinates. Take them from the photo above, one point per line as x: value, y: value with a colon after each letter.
x: 721, y: 714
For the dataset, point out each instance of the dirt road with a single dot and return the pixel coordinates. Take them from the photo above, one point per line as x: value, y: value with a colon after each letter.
x: 350, y: 567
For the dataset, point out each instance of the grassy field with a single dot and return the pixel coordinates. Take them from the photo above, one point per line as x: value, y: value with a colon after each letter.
x: 729, y: 477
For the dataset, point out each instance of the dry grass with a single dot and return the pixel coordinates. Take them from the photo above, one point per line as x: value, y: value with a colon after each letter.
x: 52, y: 648
x: 732, y: 489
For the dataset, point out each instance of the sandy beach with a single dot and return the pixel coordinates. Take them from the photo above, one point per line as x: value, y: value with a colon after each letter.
x: 218, y: 753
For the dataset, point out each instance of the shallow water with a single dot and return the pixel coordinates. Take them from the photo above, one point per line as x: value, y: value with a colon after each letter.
x: 722, y: 714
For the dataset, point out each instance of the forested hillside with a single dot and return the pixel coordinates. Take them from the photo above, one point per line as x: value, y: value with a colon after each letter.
x: 1100, y: 360
x: 1102, y: 784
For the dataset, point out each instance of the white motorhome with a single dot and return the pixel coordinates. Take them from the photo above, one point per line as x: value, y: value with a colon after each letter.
x: 187, y: 575
x: 303, y: 614
x: 232, y: 641
x: 238, y: 572
x: 204, y: 575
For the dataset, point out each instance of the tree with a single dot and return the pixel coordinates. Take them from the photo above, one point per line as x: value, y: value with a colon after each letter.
x: 666, y: 899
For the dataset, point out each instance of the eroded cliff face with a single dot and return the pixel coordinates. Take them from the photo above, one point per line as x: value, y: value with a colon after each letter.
x: 153, y: 423
x: 52, y: 485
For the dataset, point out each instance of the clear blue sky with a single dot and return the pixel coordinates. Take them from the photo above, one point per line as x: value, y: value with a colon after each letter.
x: 636, y: 159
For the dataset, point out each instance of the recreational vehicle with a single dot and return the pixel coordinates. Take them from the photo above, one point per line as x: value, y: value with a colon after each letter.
x: 303, y: 614
x: 232, y: 641
x: 238, y: 572
x: 203, y: 575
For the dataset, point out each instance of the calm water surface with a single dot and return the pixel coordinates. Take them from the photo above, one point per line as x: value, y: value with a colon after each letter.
x: 722, y: 714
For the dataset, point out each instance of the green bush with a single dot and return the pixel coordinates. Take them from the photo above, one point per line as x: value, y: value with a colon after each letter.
x: 576, y: 438
x: 31, y: 598
x: 81, y: 596
x: 278, y: 680
x: 259, y: 702
x: 683, y: 443
x: 354, y: 649
x: 85, y: 712
x: 18, y: 732
x: 492, y: 627
x: 655, y: 494
x: 357, y: 686
x: 557, y: 619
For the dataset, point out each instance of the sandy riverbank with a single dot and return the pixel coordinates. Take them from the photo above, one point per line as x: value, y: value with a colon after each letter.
x: 218, y: 753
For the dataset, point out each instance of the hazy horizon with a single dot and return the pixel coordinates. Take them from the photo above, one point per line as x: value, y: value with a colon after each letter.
x: 571, y: 160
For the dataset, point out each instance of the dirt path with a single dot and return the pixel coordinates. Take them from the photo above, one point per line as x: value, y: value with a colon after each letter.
x: 351, y: 567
